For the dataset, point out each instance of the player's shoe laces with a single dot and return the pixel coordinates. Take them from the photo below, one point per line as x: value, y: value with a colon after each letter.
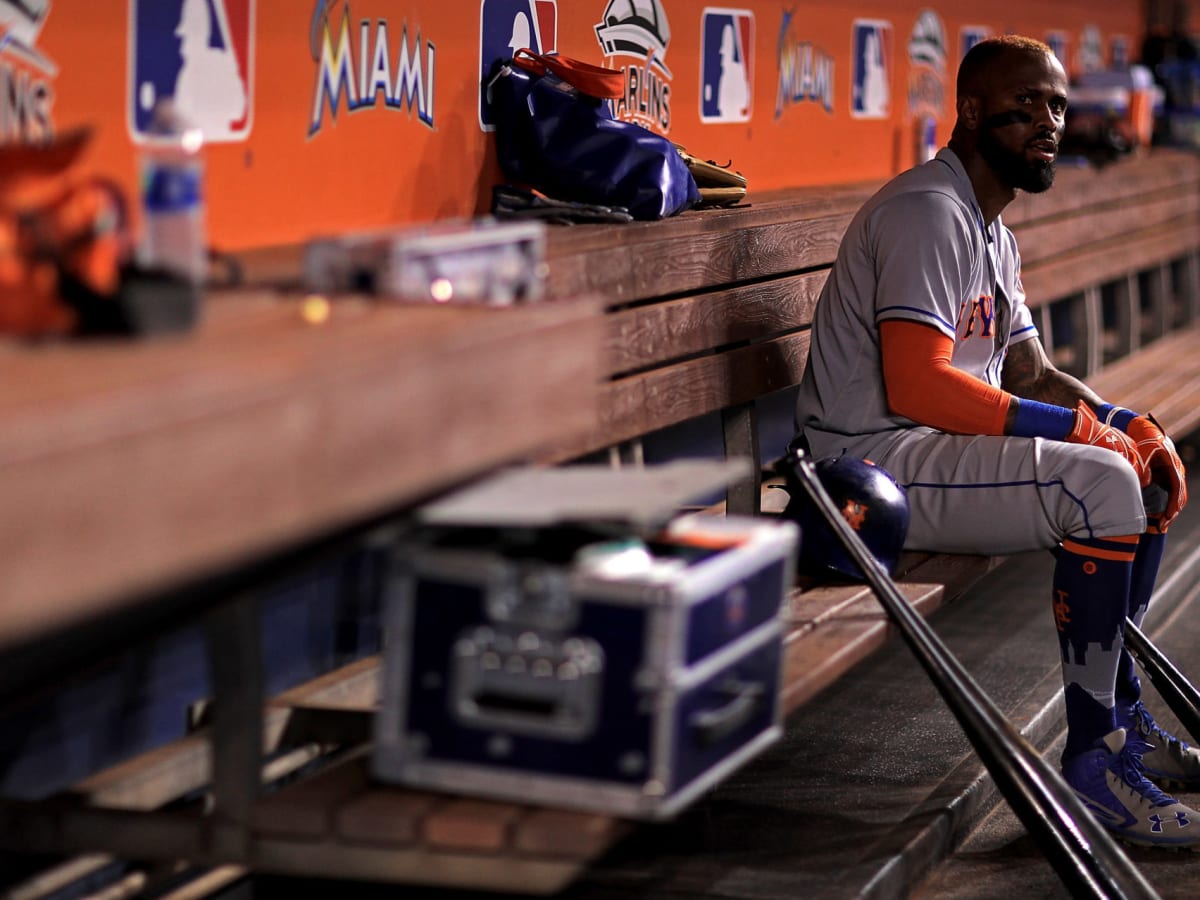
x: 1109, y: 780
x: 1166, y: 759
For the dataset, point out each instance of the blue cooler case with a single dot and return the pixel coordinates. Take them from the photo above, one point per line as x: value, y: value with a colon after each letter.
x: 564, y: 637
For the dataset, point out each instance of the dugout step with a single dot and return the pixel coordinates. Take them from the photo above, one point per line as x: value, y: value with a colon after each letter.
x: 997, y: 858
x: 871, y: 788
x: 874, y: 783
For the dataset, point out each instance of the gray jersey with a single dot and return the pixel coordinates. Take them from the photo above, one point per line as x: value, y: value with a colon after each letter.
x: 917, y: 250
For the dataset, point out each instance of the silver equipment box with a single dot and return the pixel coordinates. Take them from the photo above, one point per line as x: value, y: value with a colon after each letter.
x: 563, y: 636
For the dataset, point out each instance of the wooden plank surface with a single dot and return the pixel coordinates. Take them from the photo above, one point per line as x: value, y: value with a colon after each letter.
x: 834, y: 626
x: 1077, y: 188
x: 663, y: 264
x: 772, y: 233
x: 645, y: 258
x: 643, y: 336
x: 127, y: 466
x: 1045, y: 239
x: 1163, y: 378
x: 633, y: 406
x: 141, y: 461
x: 1094, y: 264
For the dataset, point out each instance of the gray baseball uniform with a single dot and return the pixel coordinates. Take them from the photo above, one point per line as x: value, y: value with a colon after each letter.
x: 919, y: 250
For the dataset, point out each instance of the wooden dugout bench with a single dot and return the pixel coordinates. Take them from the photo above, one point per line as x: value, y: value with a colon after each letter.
x: 702, y: 333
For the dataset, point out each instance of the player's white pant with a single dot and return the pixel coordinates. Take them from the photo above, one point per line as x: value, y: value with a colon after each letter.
x: 999, y: 495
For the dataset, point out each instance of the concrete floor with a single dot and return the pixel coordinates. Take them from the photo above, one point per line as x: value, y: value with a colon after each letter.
x: 875, y: 791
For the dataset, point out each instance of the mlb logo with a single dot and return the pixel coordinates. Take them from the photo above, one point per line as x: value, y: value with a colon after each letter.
x: 1057, y: 41
x: 197, y: 54
x: 870, y: 93
x: 969, y: 36
x: 1118, y: 52
x: 505, y: 26
x: 726, y: 65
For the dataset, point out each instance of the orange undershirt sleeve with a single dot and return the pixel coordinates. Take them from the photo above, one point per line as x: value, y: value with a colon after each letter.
x: 923, y: 386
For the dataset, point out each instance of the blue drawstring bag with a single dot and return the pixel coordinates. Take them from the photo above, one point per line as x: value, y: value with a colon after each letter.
x: 555, y: 133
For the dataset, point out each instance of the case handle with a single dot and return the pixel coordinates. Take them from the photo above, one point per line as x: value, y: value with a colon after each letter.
x: 713, y: 725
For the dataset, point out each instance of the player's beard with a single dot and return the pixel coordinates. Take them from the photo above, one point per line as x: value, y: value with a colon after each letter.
x: 1012, y: 167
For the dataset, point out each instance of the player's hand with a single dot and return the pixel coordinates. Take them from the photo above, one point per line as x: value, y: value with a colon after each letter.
x: 1158, y: 454
x: 1090, y: 430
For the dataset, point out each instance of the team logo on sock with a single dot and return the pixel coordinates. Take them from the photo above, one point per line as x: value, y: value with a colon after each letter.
x: 1062, y: 610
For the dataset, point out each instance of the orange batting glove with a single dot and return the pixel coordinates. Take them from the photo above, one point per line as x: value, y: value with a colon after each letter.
x: 1161, y: 460
x: 1090, y: 430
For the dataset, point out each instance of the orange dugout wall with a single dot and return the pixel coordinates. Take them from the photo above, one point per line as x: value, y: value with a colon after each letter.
x: 332, y: 115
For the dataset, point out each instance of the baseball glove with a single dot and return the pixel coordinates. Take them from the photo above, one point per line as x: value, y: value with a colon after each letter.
x: 719, y: 185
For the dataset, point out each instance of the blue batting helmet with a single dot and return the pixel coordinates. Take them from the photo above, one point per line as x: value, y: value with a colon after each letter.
x: 870, y: 500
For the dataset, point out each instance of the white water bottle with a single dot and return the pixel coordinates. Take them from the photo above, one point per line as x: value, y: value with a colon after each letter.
x: 172, y: 192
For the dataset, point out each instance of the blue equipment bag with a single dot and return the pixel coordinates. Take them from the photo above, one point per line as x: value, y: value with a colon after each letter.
x: 555, y: 132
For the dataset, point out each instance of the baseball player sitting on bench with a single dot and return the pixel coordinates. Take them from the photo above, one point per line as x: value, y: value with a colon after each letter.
x: 925, y: 360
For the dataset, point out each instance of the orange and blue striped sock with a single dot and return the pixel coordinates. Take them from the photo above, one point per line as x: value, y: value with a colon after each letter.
x: 1091, y: 596
x: 1145, y: 573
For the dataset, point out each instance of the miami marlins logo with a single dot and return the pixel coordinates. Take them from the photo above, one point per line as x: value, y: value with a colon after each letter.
x: 406, y: 83
x: 639, y: 29
x: 927, y: 66
x: 805, y: 71
x: 26, y: 74
x: 1091, y: 49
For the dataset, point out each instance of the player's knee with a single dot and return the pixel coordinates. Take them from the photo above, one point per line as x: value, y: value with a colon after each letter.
x: 1101, y: 493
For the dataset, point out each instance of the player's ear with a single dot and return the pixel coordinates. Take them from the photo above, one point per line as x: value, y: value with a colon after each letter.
x: 969, y: 111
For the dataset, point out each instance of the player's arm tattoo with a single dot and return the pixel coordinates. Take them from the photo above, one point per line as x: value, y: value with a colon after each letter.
x: 1029, y: 373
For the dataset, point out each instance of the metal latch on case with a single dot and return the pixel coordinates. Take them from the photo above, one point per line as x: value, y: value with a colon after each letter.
x: 532, y: 597
x: 526, y: 683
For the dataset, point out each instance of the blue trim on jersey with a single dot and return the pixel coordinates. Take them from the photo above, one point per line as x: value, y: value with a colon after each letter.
x: 1022, y: 331
x: 914, y: 309
x: 999, y: 365
x: 1009, y: 484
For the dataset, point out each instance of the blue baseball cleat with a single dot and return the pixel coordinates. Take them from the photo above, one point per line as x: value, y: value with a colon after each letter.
x: 1166, y: 760
x: 1109, y: 781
